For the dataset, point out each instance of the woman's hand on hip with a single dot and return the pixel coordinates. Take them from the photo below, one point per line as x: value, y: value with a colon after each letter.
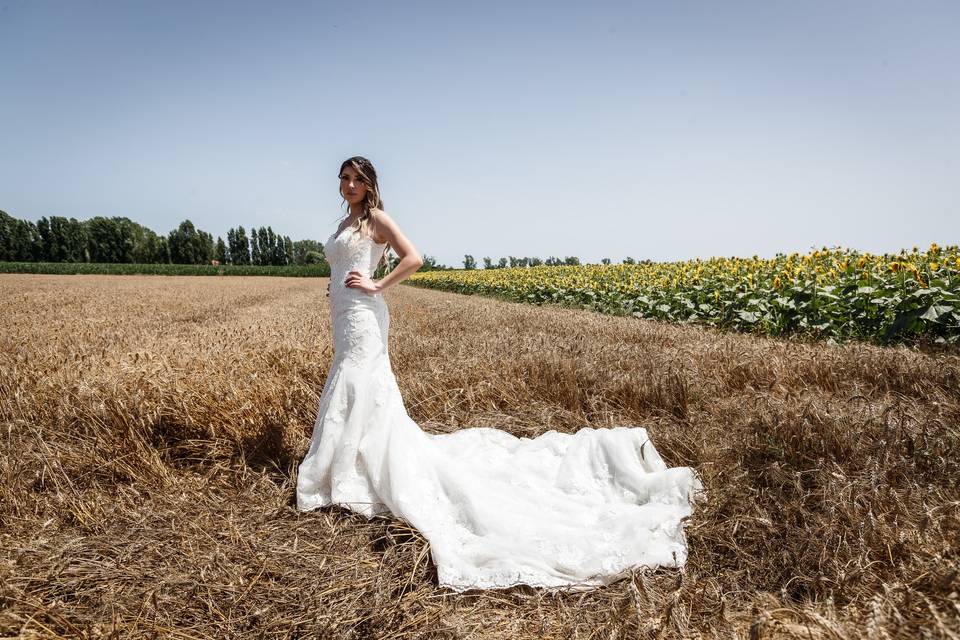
x: 357, y: 280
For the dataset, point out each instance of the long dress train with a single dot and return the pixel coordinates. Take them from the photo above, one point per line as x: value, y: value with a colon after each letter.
x: 561, y: 511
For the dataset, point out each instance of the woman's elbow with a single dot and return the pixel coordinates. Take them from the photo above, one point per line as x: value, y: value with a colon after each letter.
x: 418, y: 260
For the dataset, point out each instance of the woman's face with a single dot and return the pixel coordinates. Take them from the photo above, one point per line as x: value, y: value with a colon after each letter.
x: 352, y: 188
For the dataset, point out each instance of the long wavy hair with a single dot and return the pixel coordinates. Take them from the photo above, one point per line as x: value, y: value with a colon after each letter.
x: 368, y: 175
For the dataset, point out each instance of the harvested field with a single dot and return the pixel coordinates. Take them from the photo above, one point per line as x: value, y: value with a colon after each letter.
x: 152, y: 427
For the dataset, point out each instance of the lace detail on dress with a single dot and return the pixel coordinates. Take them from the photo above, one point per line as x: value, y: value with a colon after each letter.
x: 560, y: 511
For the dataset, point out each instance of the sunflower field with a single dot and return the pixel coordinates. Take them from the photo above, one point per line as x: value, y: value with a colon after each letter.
x: 838, y: 294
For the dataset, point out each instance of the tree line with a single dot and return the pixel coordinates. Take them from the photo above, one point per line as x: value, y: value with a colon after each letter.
x: 469, y: 262
x: 120, y: 240
x: 512, y: 261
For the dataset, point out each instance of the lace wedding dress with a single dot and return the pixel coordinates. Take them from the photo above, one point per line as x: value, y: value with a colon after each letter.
x: 561, y: 511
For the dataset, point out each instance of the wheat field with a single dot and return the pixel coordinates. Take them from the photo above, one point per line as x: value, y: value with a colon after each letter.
x: 152, y: 427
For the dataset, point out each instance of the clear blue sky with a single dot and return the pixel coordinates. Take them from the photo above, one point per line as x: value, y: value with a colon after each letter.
x: 661, y: 130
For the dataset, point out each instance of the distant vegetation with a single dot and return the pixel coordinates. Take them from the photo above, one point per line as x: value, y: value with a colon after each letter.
x: 119, y: 240
x: 118, y: 245
x: 321, y: 269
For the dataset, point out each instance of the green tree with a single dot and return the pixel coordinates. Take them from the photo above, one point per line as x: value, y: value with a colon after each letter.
x: 307, y: 252
x: 469, y: 262
x: 185, y: 244
x: 72, y: 236
x: 147, y: 245
x: 47, y: 243
x: 207, y: 249
x: 7, y: 225
x: 164, y: 255
x: 20, y: 240
x: 110, y: 239
x: 277, y: 250
x: 239, y: 246
x: 255, y: 247
x: 430, y: 264
x: 222, y: 254
x: 264, y: 244
x: 271, y: 246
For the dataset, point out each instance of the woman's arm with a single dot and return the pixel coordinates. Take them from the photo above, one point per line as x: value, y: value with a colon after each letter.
x: 410, y: 259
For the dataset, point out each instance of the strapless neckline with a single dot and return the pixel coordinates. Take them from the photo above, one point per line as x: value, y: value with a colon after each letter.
x: 335, y: 235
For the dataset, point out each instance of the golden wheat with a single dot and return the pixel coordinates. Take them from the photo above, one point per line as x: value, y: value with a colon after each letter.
x: 152, y: 427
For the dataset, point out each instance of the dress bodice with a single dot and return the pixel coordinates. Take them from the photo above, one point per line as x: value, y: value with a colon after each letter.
x: 346, y: 252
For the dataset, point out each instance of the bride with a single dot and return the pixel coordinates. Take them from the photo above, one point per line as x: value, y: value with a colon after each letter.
x: 562, y: 511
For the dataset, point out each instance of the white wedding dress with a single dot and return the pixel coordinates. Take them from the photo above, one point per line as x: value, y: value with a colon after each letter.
x: 561, y: 511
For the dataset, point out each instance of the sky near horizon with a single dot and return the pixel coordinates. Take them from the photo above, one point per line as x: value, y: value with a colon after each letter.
x: 667, y: 130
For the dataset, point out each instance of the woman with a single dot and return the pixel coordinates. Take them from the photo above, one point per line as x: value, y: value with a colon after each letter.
x: 560, y: 511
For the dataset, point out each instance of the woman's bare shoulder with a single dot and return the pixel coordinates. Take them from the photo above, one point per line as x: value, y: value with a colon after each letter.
x: 379, y: 214
x: 381, y: 221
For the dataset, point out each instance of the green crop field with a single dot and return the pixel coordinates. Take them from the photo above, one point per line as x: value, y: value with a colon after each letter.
x: 837, y: 294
